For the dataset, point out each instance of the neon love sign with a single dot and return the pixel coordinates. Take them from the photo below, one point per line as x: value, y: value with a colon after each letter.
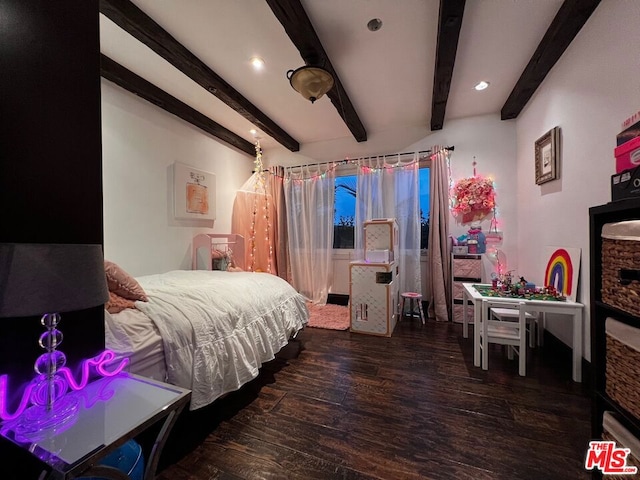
x: 64, y: 380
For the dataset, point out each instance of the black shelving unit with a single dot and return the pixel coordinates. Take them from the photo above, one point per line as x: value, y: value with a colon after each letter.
x: 619, y: 211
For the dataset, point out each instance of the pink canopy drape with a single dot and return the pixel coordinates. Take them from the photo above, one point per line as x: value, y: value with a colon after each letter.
x: 254, y: 217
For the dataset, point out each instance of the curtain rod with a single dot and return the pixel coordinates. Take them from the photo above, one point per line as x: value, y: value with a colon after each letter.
x: 347, y: 160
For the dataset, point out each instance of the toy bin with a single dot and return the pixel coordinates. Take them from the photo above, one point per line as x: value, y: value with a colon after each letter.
x: 128, y: 459
x: 468, y: 267
x: 378, y: 256
x: 614, y: 431
x: 622, y: 376
x: 621, y: 265
x: 381, y: 235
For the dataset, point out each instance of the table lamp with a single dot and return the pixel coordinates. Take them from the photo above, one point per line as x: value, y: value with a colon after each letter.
x: 47, y: 280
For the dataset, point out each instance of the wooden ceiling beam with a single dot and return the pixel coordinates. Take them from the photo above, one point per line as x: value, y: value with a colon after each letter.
x: 296, y: 23
x: 571, y: 17
x: 138, y: 24
x: 449, y: 25
x: 137, y: 85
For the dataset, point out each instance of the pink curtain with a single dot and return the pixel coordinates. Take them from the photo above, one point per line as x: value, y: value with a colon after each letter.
x: 281, y: 253
x: 438, y: 253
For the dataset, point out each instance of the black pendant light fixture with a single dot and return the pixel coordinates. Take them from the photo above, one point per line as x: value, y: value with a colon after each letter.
x: 311, y: 82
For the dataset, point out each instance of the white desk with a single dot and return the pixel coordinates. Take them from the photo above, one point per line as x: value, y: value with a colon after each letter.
x: 568, y: 307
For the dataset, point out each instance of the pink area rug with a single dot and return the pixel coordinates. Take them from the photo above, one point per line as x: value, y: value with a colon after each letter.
x: 330, y: 316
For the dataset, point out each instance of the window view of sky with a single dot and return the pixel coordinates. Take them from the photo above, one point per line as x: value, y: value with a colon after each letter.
x: 424, y: 192
x: 345, y: 201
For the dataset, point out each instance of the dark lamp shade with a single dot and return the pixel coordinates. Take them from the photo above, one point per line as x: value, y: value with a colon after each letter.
x: 50, y: 278
x: 311, y: 82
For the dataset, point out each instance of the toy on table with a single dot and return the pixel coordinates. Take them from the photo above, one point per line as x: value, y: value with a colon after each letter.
x: 504, y: 286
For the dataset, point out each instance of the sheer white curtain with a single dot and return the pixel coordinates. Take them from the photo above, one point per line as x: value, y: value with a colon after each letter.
x: 388, y: 188
x: 309, y: 196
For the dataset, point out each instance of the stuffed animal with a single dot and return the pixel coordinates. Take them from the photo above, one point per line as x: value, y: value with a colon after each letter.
x: 475, y: 233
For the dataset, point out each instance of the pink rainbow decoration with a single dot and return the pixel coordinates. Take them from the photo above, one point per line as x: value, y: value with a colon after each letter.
x: 559, y: 272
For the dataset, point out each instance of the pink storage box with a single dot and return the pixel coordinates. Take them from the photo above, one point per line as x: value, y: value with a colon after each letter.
x: 628, y: 155
x: 467, y: 268
x: 630, y: 129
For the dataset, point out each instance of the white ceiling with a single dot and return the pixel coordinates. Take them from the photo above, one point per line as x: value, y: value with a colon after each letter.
x: 388, y: 74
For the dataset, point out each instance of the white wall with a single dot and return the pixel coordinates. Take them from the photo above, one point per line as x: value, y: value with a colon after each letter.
x: 140, y: 143
x: 493, y: 144
x: 590, y: 91
x: 588, y: 94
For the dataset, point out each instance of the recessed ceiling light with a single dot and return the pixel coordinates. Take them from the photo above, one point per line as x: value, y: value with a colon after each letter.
x: 481, y: 85
x: 253, y: 132
x: 257, y: 63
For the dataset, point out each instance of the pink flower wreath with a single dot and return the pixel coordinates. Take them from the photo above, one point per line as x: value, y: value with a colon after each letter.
x: 473, y: 199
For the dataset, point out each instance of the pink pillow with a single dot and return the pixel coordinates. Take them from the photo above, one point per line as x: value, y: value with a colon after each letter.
x: 117, y: 303
x: 123, y: 284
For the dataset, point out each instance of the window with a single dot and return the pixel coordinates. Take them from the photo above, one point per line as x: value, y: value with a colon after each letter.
x: 345, y: 210
x: 424, y: 207
x: 344, y: 218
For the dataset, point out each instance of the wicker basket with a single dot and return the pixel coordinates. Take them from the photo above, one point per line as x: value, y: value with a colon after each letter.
x: 613, y: 431
x: 623, y: 365
x: 621, y: 251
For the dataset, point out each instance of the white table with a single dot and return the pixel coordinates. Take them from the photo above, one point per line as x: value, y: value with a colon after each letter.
x: 568, y: 307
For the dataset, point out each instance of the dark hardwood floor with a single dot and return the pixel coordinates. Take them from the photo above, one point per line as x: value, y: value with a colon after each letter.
x: 413, y: 406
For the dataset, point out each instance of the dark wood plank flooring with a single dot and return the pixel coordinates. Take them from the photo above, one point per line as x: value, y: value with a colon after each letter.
x: 413, y: 406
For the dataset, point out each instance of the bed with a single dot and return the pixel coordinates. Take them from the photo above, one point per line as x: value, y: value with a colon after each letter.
x: 205, y: 330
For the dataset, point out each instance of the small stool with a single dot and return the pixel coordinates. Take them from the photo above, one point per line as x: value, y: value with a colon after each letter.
x: 412, y: 296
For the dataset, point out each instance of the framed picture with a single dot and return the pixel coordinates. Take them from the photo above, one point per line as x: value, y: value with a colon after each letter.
x: 194, y: 193
x: 548, y: 156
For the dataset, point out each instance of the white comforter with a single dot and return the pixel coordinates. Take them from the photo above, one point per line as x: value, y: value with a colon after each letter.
x: 219, y: 327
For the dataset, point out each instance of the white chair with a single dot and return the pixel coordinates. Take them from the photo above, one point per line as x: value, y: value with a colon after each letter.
x: 504, y: 332
x: 512, y: 314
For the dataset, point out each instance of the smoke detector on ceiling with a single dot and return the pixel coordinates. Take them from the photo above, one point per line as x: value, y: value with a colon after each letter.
x: 374, y: 24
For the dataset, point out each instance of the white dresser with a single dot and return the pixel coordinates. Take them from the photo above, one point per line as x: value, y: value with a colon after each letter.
x: 373, y: 296
x: 465, y: 268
